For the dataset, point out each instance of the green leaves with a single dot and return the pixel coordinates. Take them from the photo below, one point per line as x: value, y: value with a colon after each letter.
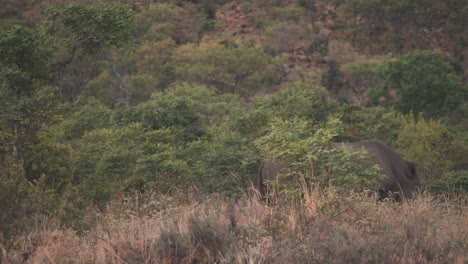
x: 308, y: 155
x: 420, y: 81
x: 239, y: 69
x: 454, y: 182
x: 22, y: 56
x: 431, y: 145
x: 79, y: 30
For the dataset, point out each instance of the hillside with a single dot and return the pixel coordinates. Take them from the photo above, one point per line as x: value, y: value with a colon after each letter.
x: 129, y: 128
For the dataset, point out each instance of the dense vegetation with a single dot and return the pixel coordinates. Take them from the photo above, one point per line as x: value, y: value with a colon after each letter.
x: 108, y: 102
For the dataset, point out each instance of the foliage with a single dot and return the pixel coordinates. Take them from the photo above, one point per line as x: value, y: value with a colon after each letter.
x: 84, y: 115
x: 333, y: 78
x: 400, y: 13
x: 157, y: 22
x: 424, y: 82
x: 184, y: 114
x: 309, y: 158
x: 455, y: 182
x: 370, y: 123
x: 319, y: 44
x: 155, y: 59
x: 227, y: 69
x: 166, y: 98
x: 80, y: 30
x: 297, y: 99
x: 16, y: 198
x: 26, y: 98
x: 29, y: 64
x: 225, y: 164
x: 110, y: 161
x: 431, y: 145
x: 360, y: 75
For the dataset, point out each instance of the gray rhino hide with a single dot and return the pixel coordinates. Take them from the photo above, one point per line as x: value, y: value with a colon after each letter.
x: 268, y: 171
x: 400, y: 175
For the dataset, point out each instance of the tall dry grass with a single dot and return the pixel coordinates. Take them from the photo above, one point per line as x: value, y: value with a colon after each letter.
x: 321, y: 228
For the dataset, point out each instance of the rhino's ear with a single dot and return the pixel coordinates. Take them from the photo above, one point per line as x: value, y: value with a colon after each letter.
x: 411, y: 169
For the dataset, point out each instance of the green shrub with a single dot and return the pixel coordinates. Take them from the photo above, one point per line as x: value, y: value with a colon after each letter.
x: 319, y: 45
x: 16, y: 199
x: 333, y: 78
x: 455, y: 182
x: 361, y: 75
x: 431, y: 145
x: 306, y: 152
x: 370, y: 123
x: 424, y: 82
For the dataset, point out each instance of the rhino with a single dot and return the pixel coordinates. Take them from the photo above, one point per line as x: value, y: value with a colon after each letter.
x: 267, y: 171
x: 400, y: 179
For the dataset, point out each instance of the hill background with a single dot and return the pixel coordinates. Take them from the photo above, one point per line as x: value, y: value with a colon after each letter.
x: 152, y: 116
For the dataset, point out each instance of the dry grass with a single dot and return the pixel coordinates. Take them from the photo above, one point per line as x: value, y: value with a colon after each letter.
x: 322, y: 228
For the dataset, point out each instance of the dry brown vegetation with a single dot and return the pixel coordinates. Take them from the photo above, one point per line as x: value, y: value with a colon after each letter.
x: 322, y: 228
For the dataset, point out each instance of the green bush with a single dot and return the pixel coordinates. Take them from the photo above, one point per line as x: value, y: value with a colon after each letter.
x: 109, y: 161
x: 370, y: 123
x: 17, y: 199
x: 84, y: 115
x: 319, y: 44
x: 360, y: 75
x: 454, y: 182
x: 306, y: 152
x: 420, y: 81
x: 298, y: 99
x: 239, y: 69
x: 431, y: 145
x: 333, y: 78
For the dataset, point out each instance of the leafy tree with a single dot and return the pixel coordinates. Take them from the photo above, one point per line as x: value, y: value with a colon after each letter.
x: 432, y: 146
x: 126, y: 78
x: 11, y: 9
x: 110, y: 161
x: 238, y: 69
x: 333, y: 78
x: 75, y: 31
x: 190, y: 24
x: 157, y: 22
x: 297, y: 100
x: 370, y: 123
x: 360, y: 76
x: 186, y: 108
x: 30, y: 60
x: 319, y: 45
x: 156, y: 60
x: 84, y: 115
x: 27, y: 100
x: 225, y: 163
x: 162, y: 111
x: 73, y: 79
x: 423, y: 81
x: 16, y: 198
